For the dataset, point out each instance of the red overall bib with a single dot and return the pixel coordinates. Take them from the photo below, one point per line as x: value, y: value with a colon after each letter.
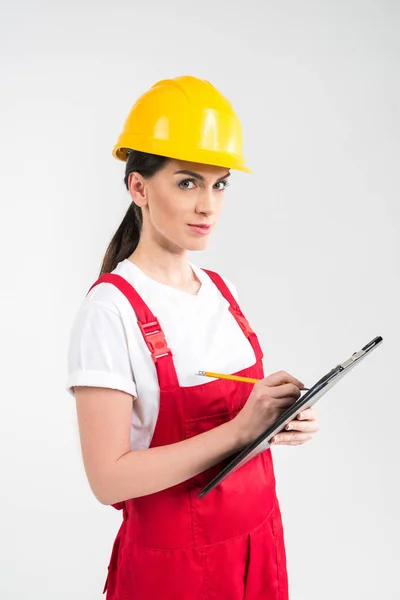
x: 172, y: 545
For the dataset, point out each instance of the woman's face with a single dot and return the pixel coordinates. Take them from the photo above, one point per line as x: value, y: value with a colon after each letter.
x: 181, y: 203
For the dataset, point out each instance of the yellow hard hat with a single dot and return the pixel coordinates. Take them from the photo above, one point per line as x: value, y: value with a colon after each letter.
x: 187, y: 119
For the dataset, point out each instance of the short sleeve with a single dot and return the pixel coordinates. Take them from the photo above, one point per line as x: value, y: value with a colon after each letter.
x: 98, y: 353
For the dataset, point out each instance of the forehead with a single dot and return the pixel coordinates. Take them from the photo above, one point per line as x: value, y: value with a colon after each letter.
x: 207, y: 171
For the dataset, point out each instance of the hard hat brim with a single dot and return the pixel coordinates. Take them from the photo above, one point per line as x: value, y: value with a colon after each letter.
x: 159, y: 147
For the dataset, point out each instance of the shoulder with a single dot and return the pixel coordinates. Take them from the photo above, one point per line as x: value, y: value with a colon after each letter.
x: 106, y: 295
x: 101, y: 324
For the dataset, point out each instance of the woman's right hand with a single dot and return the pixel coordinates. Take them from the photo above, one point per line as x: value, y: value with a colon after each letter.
x: 268, y: 399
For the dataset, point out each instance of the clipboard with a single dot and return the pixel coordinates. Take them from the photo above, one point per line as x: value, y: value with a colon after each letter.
x: 312, y: 396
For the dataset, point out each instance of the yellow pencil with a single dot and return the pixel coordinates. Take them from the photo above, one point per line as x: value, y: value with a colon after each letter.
x: 224, y: 376
x: 233, y: 377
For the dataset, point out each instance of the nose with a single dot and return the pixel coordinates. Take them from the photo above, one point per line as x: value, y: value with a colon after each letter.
x: 207, y: 202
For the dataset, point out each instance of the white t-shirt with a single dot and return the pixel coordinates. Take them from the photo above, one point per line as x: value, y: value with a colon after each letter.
x: 107, y: 349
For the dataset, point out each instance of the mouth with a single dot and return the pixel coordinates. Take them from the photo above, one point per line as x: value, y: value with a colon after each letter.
x: 200, y: 229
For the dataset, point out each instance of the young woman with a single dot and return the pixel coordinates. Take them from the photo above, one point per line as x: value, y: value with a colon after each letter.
x: 152, y: 432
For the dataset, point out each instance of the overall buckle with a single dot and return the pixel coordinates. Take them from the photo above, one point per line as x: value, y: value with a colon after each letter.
x: 242, y: 321
x: 155, y: 339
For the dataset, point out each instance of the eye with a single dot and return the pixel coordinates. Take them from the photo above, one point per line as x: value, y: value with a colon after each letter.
x: 225, y: 185
x: 183, y: 186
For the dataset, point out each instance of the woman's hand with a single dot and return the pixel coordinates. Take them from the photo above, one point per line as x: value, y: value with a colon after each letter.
x: 269, y: 398
x: 300, y: 430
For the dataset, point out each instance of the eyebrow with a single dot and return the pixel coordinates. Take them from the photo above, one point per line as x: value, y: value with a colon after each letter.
x: 197, y: 175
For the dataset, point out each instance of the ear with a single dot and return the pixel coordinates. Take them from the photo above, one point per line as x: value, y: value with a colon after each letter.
x: 137, y: 189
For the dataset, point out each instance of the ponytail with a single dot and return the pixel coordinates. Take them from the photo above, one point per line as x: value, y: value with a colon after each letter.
x: 127, y: 236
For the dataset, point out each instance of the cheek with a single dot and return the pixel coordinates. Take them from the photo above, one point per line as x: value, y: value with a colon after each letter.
x: 166, y: 213
x: 220, y: 205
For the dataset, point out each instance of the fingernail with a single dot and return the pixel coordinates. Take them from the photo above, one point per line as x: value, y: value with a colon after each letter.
x: 288, y: 426
x: 300, y: 416
x: 276, y: 439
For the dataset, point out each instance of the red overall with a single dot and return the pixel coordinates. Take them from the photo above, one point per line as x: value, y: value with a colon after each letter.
x: 172, y: 545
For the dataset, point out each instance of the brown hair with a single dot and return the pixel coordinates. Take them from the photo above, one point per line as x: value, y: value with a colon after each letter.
x: 126, y: 238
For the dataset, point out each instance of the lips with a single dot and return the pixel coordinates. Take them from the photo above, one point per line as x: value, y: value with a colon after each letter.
x: 200, y: 229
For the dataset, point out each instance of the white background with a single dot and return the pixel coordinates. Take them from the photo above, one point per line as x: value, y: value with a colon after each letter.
x: 311, y: 241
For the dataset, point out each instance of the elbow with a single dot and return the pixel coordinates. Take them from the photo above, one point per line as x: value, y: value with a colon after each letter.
x: 105, y: 492
x: 101, y: 495
x: 109, y: 485
x: 106, y: 499
x: 103, y: 500
x: 102, y: 491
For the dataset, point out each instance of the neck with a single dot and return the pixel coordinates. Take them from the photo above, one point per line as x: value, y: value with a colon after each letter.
x: 165, y: 266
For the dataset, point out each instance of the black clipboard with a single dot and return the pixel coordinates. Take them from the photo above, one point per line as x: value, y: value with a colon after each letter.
x: 312, y: 396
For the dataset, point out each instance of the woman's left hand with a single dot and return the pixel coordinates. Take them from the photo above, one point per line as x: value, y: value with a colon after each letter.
x: 300, y: 430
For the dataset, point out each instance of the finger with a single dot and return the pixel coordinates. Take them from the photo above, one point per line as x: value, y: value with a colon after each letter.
x: 285, y: 390
x: 291, y: 439
x: 304, y: 426
x: 283, y: 395
x: 281, y: 377
x: 295, y: 442
x: 307, y: 414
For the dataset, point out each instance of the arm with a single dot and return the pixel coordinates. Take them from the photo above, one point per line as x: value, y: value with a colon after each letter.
x: 116, y: 473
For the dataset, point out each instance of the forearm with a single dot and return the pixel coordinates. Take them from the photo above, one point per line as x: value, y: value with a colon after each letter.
x: 143, y: 472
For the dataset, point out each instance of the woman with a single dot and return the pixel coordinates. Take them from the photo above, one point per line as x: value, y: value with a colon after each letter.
x: 152, y: 432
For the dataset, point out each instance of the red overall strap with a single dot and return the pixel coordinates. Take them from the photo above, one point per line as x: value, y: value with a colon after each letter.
x: 151, y: 330
x: 237, y: 313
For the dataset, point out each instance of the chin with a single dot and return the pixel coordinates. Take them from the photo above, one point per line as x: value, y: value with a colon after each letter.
x: 196, y: 245
x: 184, y: 244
